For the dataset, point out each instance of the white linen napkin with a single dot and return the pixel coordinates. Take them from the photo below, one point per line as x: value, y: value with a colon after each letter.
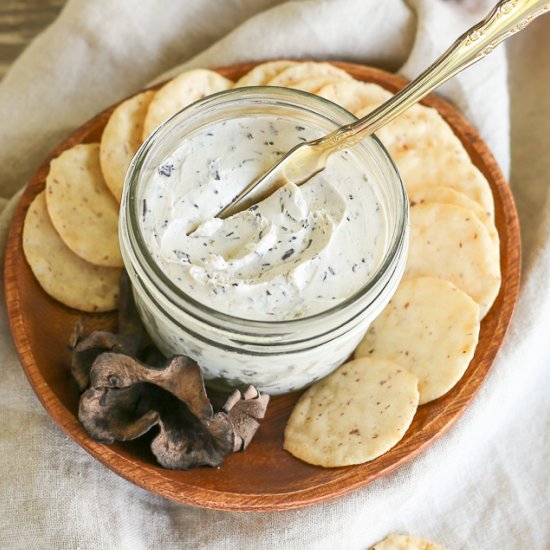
x: 485, y: 484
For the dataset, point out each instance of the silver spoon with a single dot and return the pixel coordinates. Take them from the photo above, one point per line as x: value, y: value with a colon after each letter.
x: 309, y: 158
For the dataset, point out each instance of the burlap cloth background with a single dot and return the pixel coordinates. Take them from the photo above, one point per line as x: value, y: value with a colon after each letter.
x: 484, y: 485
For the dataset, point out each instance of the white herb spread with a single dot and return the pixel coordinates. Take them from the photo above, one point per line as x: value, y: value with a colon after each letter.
x: 299, y: 252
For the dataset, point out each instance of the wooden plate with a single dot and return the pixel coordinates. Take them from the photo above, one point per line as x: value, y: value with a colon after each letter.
x: 264, y: 478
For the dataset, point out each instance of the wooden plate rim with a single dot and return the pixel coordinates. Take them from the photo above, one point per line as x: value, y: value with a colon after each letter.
x: 351, y: 478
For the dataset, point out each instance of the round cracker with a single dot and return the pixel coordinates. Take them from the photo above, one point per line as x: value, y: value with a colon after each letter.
x: 81, y: 207
x: 422, y: 128
x: 121, y: 139
x: 449, y: 242
x: 447, y: 195
x: 427, y: 152
x: 406, y: 542
x: 443, y: 168
x: 180, y: 92
x: 430, y: 327
x: 354, y: 415
x: 263, y: 73
x: 313, y: 85
x: 356, y: 97
x: 306, y: 71
x: 61, y: 273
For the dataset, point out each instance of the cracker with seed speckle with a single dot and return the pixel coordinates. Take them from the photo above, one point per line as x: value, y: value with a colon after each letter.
x: 427, y: 152
x: 356, y: 97
x: 446, y: 169
x: 447, y: 195
x: 314, y: 85
x: 61, y: 273
x: 354, y: 415
x: 121, y: 139
x: 263, y: 73
x: 180, y: 92
x: 81, y: 207
x: 307, y: 71
x: 449, y: 242
x: 430, y: 327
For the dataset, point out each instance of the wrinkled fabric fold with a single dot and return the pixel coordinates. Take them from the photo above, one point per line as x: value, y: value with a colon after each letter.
x: 484, y: 484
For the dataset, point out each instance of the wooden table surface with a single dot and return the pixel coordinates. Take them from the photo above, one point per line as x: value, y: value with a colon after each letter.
x: 20, y: 22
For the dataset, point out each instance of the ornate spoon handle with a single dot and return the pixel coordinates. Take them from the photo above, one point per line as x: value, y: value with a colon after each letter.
x: 307, y: 159
x: 507, y: 18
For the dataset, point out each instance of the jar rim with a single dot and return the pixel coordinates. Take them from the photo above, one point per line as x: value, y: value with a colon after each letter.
x: 130, y: 228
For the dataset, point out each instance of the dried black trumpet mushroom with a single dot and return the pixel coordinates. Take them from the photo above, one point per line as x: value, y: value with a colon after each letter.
x: 129, y: 338
x: 243, y: 411
x: 127, y: 398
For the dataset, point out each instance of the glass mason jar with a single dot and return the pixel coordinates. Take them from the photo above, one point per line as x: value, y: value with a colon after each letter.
x: 274, y: 356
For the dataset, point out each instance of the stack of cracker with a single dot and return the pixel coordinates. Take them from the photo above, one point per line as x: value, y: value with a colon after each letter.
x: 70, y: 238
x: 422, y: 343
